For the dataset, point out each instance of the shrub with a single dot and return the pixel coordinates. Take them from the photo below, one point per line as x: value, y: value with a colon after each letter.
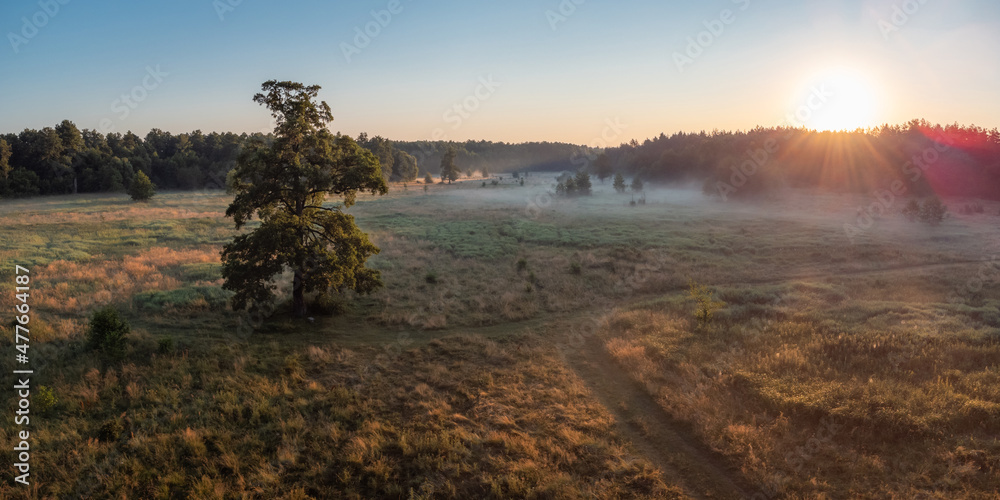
x: 46, y: 399
x: 619, y: 183
x: 165, y: 345
x: 522, y: 264
x: 330, y: 304
x: 706, y: 304
x: 933, y: 211
x: 575, y: 268
x: 108, y: 333
x: 141, y: 188
x: 431, y: 277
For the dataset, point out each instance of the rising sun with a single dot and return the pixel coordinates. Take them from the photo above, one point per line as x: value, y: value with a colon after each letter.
x: 847, y: 101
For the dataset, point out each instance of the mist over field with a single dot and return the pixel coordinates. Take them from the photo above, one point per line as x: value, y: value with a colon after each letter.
x: 518, y: 250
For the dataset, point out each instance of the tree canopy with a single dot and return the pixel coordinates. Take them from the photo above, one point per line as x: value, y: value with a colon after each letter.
x: 449, y: 171
x: 141, y: 188
x: 284, y: 181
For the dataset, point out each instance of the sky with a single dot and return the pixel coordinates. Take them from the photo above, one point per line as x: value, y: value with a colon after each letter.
x: 579, y: 71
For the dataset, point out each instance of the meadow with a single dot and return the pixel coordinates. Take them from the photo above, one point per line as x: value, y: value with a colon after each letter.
x: 524, y: 346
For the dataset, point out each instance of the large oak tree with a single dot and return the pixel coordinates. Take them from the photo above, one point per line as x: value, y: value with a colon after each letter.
x: 285, y: 181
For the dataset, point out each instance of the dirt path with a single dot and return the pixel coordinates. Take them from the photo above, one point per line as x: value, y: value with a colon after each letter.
x: 668, y: 444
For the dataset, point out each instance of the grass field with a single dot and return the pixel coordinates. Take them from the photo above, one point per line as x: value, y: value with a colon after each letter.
x: 523, y: 347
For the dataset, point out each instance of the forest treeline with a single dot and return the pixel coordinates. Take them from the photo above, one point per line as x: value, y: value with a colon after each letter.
x: 65, y: 159
x: 950, y: 160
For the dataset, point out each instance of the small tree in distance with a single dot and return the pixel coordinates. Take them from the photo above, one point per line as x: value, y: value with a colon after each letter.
x: 706, y: 304
x: 449, y: 171
x: 636, y: 185
x: 933, y: 211
x: 428, y: 179
x: 142, y: 188
x: 108, y: 333
x: 619, y: 183
x: 582, y: 183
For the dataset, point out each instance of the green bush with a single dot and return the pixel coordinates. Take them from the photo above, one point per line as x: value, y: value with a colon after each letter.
x: 141, y: 188
x: 46, y: 399
x: 706, y: 304
x: 108, y: 333
x: 165, y: 345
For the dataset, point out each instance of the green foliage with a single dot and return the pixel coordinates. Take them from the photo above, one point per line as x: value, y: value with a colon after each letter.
x: 428, y: 179
x: 142, y: 188
x: 165, y: 345
x: 405, y: 168
x: 575, y: 268
x: 706, y: 305
x: 108, y: 334
x: 285, y: 182
x: 619, y: 183
x: 522, y: 264
x: 449, y: 171
x: 45, y: 399
x: 431, y: 277
x: 636, y: 185
x: 4, y: 159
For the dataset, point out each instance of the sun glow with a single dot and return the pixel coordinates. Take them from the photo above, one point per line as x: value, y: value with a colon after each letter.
x: 848, y: 101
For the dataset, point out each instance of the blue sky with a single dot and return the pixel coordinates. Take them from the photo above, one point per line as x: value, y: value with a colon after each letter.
x: 596, y: 72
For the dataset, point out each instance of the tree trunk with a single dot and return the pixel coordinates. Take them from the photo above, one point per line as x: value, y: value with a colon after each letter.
x: 298, y: 296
